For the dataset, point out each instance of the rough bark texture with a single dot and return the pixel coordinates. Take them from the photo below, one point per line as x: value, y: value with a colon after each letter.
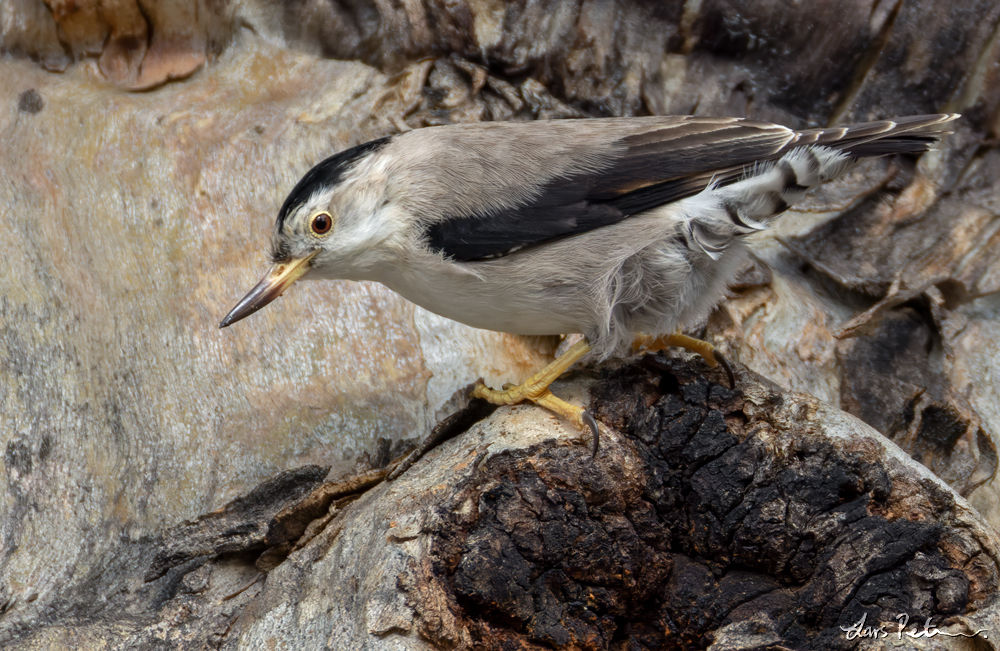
x: 136, y: 436
x: 728, y: 519
x: 711, y: 519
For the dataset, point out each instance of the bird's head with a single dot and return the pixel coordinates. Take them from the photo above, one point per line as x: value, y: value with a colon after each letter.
x: 321, y: 229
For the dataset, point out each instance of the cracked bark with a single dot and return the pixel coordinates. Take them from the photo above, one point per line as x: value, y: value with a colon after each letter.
x: 726, y: 520
x: 760, y: 521
x: 711, y: 519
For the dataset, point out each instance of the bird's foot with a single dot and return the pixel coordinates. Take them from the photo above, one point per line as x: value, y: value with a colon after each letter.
x: 536, y: 389
x: 712, y: 356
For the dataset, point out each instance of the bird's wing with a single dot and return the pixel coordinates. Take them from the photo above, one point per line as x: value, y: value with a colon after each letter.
x: 652, y: 162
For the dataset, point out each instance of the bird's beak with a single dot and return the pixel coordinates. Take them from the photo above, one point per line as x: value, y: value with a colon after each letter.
x: 278, y: 279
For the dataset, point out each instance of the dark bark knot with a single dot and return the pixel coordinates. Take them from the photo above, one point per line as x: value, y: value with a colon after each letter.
x: 711, y: 526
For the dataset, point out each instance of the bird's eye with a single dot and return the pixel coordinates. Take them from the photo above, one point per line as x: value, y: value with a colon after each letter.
x: 321, y: 223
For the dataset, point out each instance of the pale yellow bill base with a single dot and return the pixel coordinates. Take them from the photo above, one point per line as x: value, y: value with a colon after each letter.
x: 278, y: 279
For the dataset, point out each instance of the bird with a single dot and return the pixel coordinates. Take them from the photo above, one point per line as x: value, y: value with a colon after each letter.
x: 624, y: 230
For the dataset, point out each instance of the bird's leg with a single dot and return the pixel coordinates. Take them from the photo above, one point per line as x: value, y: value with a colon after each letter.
x: 708, y: 352
x: 536, y: 389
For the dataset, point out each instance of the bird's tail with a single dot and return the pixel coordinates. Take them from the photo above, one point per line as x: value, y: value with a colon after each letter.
x: 910, y: 135
x: 812, y: 158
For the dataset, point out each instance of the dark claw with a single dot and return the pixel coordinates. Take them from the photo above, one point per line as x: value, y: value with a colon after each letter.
x: 719, y: 357
x: 588, y: 418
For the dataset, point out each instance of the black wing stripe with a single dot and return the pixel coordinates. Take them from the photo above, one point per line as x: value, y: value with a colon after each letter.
x: 478, y: 237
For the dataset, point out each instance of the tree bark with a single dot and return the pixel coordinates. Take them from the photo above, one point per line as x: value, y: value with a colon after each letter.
x: 169, y: 485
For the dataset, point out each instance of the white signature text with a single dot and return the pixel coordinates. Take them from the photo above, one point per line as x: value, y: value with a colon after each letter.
x: 861, y: 629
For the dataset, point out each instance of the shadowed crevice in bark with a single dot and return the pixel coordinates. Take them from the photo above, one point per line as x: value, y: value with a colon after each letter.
x: 241, y: 525
x: 889, y: 380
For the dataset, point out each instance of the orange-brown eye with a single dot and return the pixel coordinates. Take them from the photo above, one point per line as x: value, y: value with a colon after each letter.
x: 321, y: 223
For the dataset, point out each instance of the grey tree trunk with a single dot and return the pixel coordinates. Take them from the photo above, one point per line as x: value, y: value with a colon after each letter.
x: 168, y: 485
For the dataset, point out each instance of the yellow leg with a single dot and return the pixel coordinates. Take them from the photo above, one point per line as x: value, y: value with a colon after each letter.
x: 707, y: 351
x: 536, y: 389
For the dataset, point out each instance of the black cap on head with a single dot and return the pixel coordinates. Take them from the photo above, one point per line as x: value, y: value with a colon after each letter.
x: 325, y: 173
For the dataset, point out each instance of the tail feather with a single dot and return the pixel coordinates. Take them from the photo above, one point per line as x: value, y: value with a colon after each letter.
x: 909, y: 135
x: 904, y: 144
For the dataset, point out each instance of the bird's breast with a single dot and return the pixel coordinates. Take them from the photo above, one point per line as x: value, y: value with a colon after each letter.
x: 488, y: 296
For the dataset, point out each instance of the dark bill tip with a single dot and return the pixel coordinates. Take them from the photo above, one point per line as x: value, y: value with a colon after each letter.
x: 263, y: 293
x: 273, y: 285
